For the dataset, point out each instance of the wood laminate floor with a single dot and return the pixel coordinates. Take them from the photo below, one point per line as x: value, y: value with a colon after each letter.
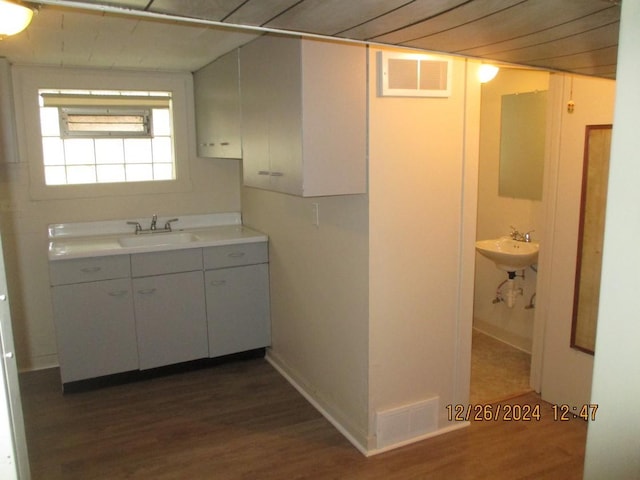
x: 244, y: 421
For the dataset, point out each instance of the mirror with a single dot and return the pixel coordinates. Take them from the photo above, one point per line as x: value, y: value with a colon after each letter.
x: 522, y: 144
x: 595, y: 175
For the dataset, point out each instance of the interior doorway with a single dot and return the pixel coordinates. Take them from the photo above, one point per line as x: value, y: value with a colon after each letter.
x: 503, y: 327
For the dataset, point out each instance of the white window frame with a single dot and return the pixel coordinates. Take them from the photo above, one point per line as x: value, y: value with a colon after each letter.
x: 29, y: 80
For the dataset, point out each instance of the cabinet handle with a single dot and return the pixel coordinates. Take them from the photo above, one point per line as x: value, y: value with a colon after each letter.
x: 147, y: 291
x: 217, y: 283
x: 90, y: 269
x: 118, y: 293
x: 276, y: 174
x: 264, y: 172
x: 224, y: 144
x: 236, y: 254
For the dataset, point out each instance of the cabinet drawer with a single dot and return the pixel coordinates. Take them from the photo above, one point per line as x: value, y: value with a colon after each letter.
x: 234, y: 255
x: 159, y: 263
x: 79, y: 270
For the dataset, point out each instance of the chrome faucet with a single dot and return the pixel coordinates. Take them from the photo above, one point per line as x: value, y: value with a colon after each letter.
x: 167, y: 225
x: 520, y: 237
x: 137, y: 225
x: 153, y: 228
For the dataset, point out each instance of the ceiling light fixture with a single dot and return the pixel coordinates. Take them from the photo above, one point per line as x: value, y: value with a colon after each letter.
x: 14, y: 17
x: 487, y: 72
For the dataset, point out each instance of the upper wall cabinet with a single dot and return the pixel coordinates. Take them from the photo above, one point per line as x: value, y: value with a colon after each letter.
x: 304, y: 116
x: 217, y: 101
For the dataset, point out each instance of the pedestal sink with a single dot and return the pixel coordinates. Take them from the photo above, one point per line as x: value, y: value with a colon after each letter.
x: 509, y: 254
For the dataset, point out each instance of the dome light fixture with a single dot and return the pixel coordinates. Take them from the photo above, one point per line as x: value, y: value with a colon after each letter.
x: 14, y: 17
x: 487, y: 72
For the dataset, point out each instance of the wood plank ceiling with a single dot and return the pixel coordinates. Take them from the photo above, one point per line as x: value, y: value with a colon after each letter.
x: 578, y: 36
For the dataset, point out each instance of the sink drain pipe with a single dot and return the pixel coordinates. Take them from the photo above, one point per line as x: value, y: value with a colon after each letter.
x: 508, y: 297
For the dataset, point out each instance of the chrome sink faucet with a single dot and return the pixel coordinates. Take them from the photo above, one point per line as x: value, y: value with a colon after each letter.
x: 153, y: 228
x: 520, y: 237
x: 167, y: 225
x: 137, y: 225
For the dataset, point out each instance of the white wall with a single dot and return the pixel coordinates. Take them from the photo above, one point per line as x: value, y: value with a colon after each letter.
x: 566, y: 372
x: 372, y: 310
x: 319, y: 311
x: 418, y: 236
x: 496, y: 214
x: 613, y: 440
x: 212, y: 186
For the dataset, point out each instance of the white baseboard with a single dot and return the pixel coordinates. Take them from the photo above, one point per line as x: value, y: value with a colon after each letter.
x: 511, y: 339
x: 275, y: 363
x: 283, y: 371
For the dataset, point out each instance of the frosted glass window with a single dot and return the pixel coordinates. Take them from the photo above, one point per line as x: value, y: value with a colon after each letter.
x: 108, y: 155
x: 55, y: 175
x: 163, y: 171
x: 49, y: 122
x: 139, y: 173
x: 81, y: 174
x: 137, y: 150
x: 161, y: 121
x: 111, y: 173
x: 162, y: 150
x: 109, y: 150
x: 53, y: 150
x: 79, y: 151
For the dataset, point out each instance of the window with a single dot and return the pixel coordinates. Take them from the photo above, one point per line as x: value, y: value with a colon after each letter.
x: 105, y: 122
x: 101, y: 136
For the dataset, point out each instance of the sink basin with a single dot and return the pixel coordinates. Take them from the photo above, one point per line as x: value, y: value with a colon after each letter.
x: 157, y: 239
x: 508, y: 254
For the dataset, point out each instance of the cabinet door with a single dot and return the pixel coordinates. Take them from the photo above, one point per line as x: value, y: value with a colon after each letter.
x: 255, y: 87
x: 334, y: 118
x: 95, y: 329
x: 271, y: 113
x: 217, y: 103
x: 203, y: 88
x: 226, y: 107
x: 170, y: 319
x: 285, y: 115
x: 238, y: 309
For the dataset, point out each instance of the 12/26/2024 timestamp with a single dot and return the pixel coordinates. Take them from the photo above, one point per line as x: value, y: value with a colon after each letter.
x: 517, y: 413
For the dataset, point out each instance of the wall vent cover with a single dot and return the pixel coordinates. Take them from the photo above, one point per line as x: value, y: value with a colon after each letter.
x: 413, y: 75
x: 404, y: 424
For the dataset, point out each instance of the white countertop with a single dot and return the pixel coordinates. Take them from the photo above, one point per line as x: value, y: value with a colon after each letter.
x: 97, y: 239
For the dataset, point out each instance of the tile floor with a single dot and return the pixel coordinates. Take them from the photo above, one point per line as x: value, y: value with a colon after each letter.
x: 498, y: 370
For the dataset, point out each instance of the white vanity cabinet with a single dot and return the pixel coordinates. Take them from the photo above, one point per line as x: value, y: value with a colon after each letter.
x: 217, y: 105
x: 303, y: 116
x: 237, y: 292
x: 146, y: 308
x: 93, y: 309
x: 169, y: 307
